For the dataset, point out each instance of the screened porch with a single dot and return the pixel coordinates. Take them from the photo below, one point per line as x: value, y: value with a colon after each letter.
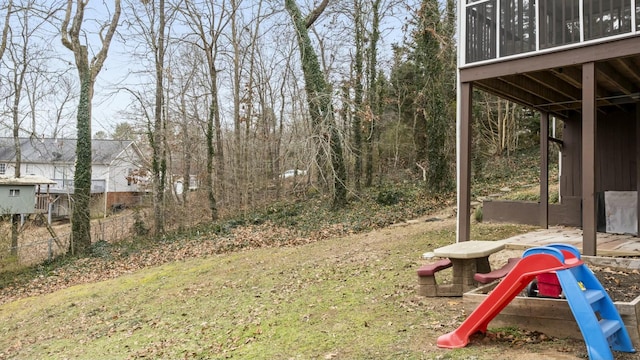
x: 496, y: 29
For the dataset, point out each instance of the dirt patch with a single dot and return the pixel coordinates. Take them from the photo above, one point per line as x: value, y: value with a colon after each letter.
x: 623, y: 286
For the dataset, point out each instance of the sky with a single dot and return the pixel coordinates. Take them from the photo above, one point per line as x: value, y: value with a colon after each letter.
x: 48, y: 56
x: 112, y: 104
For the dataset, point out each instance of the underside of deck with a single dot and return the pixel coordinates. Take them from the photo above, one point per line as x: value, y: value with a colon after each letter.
x: 594, y: 90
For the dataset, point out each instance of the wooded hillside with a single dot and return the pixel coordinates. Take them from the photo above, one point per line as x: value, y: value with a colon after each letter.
x: 355, y: 94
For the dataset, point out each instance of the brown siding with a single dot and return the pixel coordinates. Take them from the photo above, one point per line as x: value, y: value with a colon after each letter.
x: 567, y: 213
x: 571, y: 182
x: 511, y: 212
x: 616, y: 154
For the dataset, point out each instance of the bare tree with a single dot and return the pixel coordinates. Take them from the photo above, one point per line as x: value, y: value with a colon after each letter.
x: 3, y: 46
x: 74, y: 39
x: 37, y: 88
x: 66, y: 92
x: 497, y: 125
x: 18, y: 52
x: 358, y: 81
x: 5, y: 28
x: 184, y: 86
x: 319, y: 98
x: 25, y: 50
x: 240, y: 116
x: 151, y: 27
x: 252, y: 116
x: 207, y: 25
x: 278, y: 98
x: 27, y: 70
x: 373, y: 93
x: 157, y: 137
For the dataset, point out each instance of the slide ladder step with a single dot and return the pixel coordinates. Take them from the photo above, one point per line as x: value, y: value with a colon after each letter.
x: 593, y: 296
x: 609, y: 327
x: 595, y: 313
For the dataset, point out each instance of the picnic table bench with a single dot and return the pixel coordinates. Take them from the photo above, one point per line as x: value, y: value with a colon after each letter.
x: 467, y: 258
x: 485, y: 278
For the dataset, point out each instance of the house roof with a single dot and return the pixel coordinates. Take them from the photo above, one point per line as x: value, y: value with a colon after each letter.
x: 26, y: 180
x: 47, y: 150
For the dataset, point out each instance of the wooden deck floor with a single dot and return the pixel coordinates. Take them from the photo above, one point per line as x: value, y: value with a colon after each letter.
x: 607, y: 244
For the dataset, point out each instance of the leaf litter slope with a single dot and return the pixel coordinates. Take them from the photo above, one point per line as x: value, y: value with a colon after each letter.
x: 344, y: 298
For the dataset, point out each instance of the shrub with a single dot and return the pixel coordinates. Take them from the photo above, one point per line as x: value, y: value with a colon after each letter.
x: 477, y: 214
x: 101, y: 249
x: 387, y: 197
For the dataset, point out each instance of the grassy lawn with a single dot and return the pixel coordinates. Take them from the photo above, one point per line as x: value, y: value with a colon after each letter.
x: 343, y: 298
x: 295, y: 281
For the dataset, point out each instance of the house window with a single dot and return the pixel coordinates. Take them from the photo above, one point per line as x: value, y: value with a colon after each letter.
x: 3, y: 168
x: 14, y: 192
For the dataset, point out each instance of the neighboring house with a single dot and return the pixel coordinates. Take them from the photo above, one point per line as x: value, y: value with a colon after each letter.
x: 24, y: 195
x: 117, y: 169
x: 577, y: 61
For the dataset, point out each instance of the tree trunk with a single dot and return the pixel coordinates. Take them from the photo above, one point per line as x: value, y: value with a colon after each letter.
x: 87, y: 72
x: 319, y: 99
x: 211, y: 195
x: 187, y: 146
x: 209, y: 33
x: 5, y: 29
x: 81, y: 218
x: 432, y: 104
x: 239, y: 185
x: 373, y: 95
x: 358, y: 93
x: 15, y: 220
x: 159, y: 162
x: 18, y: 81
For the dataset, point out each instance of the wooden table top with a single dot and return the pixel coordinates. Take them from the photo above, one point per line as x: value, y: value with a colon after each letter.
x: 469, y: 249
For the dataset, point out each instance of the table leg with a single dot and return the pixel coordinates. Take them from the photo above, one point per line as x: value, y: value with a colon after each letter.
x: 463, y: 272
x: 455, y: 288
x: 469, y: 269
x: 465, y: 269
x: 461, y: 269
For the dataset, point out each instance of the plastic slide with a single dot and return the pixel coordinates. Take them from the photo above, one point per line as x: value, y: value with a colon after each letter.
x: 534, y: 261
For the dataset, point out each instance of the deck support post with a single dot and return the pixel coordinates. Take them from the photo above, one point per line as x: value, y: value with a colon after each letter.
x: 638, y: 169
x: 465, y: 101
x: 544, y: 170
x: 589, y: 126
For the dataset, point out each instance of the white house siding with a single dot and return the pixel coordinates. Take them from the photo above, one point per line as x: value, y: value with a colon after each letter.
x: 121, y: 167
x: 113, y: 162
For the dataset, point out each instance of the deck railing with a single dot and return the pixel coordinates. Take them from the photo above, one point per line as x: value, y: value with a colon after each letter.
x: 495, y: 29
x: 42, y: 203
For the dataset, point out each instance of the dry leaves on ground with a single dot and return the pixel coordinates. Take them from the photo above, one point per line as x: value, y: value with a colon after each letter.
x: 116, y: 260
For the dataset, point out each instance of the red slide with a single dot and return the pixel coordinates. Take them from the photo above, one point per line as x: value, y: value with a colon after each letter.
x: 534, y: 262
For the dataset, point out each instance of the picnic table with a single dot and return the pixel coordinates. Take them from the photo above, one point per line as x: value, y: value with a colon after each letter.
x: 467, y: 258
